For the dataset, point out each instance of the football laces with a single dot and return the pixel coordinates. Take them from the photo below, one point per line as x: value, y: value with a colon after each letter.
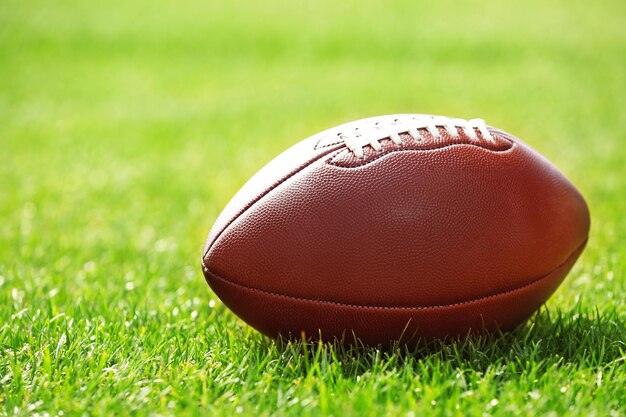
x: 356, y: 138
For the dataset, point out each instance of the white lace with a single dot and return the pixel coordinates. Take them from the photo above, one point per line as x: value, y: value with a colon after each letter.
x: 370, y: 131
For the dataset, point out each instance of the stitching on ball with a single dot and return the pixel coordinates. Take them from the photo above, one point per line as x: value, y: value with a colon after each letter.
x: 333, y: 160
x: 370, y: 132
x: 365, y: 306
x: 263, y: 194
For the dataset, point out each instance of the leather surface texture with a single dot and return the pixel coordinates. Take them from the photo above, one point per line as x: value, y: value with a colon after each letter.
x: 430, y: 238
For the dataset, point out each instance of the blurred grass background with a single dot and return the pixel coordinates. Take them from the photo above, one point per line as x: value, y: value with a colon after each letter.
x: 126, y: 126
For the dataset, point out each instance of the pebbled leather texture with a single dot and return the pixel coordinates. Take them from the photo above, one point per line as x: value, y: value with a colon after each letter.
x: 428, y: 239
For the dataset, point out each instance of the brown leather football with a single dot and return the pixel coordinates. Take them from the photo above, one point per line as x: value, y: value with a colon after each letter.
x: 397, y: 228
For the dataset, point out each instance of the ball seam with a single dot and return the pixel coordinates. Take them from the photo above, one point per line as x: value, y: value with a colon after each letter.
x: 265, y: 192
x: 576, y: 251
x: 333, y: 160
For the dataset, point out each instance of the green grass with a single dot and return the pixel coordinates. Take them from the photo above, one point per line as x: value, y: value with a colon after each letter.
x: 126, y: 127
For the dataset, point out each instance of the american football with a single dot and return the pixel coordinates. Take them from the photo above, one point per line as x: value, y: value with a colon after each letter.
x: 397, y: 228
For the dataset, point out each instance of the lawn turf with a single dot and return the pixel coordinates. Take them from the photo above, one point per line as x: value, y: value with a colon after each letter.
x: 126, y: 126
